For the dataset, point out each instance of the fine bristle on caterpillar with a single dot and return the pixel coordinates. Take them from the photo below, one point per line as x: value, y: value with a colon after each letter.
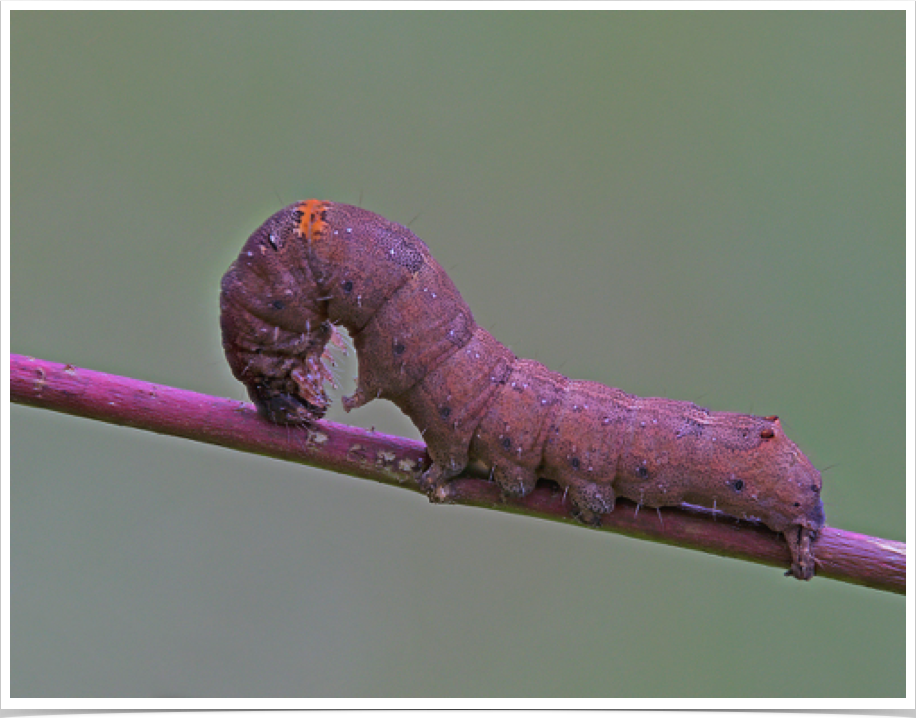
x: 315, y: 264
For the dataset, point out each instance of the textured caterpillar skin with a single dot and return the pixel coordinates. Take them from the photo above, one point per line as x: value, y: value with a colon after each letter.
x: 317, y: 264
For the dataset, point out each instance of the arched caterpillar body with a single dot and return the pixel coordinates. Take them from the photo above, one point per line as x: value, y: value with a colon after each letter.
x: 316, y: 264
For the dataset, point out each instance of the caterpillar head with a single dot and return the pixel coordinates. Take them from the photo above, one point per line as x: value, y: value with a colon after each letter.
x: 274, y: 322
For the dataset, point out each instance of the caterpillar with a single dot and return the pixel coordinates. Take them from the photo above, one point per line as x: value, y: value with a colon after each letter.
x: 315, y: 265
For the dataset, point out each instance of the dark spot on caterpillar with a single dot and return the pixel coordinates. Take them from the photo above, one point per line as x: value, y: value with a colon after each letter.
x: 418, y: 345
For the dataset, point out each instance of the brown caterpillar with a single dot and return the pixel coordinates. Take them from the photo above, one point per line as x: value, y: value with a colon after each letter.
x: 316, y: 264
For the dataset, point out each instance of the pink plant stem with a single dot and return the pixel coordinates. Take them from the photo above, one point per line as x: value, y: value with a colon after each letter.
x: 841, y: 555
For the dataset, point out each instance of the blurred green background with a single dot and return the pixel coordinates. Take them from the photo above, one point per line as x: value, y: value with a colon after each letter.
x: 702, y: 205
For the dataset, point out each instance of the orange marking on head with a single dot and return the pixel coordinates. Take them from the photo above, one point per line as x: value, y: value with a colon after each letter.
x: 312, y: 225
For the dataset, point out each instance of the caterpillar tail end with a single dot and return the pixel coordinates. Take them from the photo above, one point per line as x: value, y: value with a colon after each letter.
x: 799, y: 539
